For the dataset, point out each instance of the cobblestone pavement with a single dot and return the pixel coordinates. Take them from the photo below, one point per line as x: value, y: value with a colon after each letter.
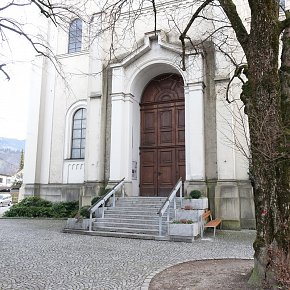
x: 35, y: 254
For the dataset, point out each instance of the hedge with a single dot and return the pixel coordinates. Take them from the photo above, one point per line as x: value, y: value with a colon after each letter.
x: 38, y: 207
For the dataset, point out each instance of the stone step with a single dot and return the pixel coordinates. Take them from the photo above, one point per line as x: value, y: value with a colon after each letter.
x: 154, y: 232
x: 139, y: 204
x: 143, y: 200
x: 124, y: 211
x: 133, y: 216
x: 127, y: 225
x: 130, y: 207
x: 129, y: 210
x: 131, y: 221
x: 120, y: 235
x: 134, y: 198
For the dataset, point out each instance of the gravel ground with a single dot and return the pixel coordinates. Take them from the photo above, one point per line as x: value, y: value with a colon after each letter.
x: 227, y: 274
x: 35, y: 254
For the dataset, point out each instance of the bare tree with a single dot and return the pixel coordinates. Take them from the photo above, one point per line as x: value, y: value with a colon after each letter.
x: 266, y: 96
x: 59, y: 13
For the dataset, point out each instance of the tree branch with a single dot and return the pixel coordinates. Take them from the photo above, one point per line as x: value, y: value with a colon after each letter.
x: 183, y: 36
x: 4, y: 72
x: 155, y: 15
x: 286, y: 22
x: 230, y: 10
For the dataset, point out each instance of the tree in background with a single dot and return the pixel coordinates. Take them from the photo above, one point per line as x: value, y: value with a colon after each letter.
x: 21, y: 162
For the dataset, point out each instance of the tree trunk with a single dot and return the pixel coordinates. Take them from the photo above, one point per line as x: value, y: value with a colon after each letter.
x: 270, y: 163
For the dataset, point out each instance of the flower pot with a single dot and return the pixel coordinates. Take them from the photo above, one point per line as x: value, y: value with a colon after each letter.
x: 183, y: 230
x: 192, y: 214
x: 201, y: 203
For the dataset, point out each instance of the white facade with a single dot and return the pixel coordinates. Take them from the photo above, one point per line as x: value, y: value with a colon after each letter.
x: 6, y: 181
x: 111, y: 93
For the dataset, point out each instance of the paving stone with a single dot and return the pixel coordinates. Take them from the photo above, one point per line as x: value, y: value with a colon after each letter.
x: 35, y: 254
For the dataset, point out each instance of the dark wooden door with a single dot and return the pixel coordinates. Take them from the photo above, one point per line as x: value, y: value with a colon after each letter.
x: 162, y: 151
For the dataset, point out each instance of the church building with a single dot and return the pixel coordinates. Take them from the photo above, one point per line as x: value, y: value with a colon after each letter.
x: 123, y: 100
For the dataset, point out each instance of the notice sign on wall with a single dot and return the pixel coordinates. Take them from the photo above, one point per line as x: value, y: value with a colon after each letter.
x: 134, y: 170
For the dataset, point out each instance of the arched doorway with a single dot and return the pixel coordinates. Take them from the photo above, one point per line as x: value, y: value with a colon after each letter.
x: 162, y: 147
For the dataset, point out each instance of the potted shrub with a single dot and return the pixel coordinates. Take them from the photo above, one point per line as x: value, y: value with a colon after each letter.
x: 196, y: 200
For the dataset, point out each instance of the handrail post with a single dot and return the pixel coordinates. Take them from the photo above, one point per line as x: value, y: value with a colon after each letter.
x: 98, y: 204
x: 174, y: 206
x: 123, y: 190
x: 91, y: 221
x: 180, y: 195
x: 103, y: 213
x: 166, y: 205
x: 168, y: 218
x: 114, y: 199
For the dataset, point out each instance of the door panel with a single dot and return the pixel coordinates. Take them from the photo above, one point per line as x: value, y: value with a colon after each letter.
x: 148, y: 126
x: 180, y: 125
x: 162, y: 151
x: 166, y: 127
x: 148, y: 182
x: 166, y: 170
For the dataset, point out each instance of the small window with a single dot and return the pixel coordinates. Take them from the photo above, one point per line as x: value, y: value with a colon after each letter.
x: 79, y: 134
x: 75, y: 36
x: 282, y: 5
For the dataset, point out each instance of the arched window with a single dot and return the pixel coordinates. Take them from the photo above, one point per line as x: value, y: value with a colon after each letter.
x: 75, y: 36
x: 79, y: 134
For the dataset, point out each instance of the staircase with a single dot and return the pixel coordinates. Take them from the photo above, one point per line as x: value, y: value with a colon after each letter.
x: 133, y: 217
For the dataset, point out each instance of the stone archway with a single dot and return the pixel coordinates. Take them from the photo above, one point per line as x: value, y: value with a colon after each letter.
x: 162, y: 147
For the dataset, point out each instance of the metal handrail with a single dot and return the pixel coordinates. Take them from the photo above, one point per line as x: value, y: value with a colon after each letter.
x: 102, y: 202
x: 165, y: 205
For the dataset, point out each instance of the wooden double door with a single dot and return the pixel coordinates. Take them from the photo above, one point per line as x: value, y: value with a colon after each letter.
x: 162, y: 151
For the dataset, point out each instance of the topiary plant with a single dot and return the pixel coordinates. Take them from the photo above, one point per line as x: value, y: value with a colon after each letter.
x: 195, y: 194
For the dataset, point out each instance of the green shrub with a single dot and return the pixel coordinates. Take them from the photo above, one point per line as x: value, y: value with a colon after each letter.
x: 84, y: 212
x: 35, y: 201
x: 38, y: 207
x: 102, y: 192
x: 195, y: 194
x: 96, y: 199
x: 31, y: 211
x: 65, y: 209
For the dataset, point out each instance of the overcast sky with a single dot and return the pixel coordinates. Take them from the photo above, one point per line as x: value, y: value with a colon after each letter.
x: 14, y: 94
x: 14, y: 100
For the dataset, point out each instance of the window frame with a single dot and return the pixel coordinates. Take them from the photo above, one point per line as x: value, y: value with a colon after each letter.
x: 68, y: 128
x: 75, y: 36
x: 78, y: 126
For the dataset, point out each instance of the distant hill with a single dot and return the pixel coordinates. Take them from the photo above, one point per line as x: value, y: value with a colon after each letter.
x: 12, y: 144
x: 10, y: 152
